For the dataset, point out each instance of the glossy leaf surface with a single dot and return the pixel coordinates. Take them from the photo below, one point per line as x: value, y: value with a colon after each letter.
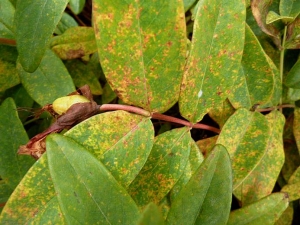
x: 83, y: 184
x: 12, y: 166
x: 206, y: 198
x: 51, y: 77
x: 255, y: 80
x: 261, y: 181
x: 265, y: 211
x: 216, y: 52
x: 245, y: 136
x: 164, y: 167
x: 35, y: 22
x: 124, y: 150
x: 142, y: 47
x: 34, y: 201
x: 77, y: 5
x: 74, y: 43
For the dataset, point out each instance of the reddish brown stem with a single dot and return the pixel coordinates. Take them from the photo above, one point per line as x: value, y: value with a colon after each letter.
x: 111, y: 107
x: 8, y: 41
x: 277, y: 107
x: 128, y: 108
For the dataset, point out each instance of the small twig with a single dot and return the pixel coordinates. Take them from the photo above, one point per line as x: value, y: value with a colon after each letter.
x: 128, y: 108
x: 6, y: 41
x: 277, y: 107
x: 111, y: 107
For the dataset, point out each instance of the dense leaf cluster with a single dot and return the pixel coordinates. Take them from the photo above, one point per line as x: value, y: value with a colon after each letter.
x: 232, y: 64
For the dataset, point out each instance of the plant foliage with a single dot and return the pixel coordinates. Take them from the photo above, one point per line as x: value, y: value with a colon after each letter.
x: 205, y: 121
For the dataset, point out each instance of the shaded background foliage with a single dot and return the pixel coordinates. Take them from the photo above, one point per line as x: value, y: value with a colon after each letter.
x: 233, y: 65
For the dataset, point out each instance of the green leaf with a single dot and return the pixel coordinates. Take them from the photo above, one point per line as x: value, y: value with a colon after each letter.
x: 87, y: 193
x: 289, y: 8
x: 7, y: 19
x: 286, y: 217
x: 245, y: 136
x: 265, y: 211
x: 50, y: 81
x: 108, y: 94
x: 261, y: 181
x: 164, y: 167
x: 293, y: 35
x: 5, y: 192
x: 142, y: 48
x: 220, y: 113
x: 34, y: 201
x: 296, y: 126
x: 214, y: 57
x: 206, y: 199
x: 151, y: 215
x: 83, y: 74
x: 120, y: 140
x: 188, y: 4
x: 12, y: 166
x: 293, y: 186
x: 76, y: 5
x: 255, y: 81
x: 35, y: 22
x: 293, y: 78
x: 65, y: 23
x: 8, y: 73
x: 75, y: 42
x: 207, y: 144
x: 273, y: 17
x: 195, y: 159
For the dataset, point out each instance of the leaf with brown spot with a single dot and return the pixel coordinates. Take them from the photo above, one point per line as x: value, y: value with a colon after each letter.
x: 142, y: 47
x: 261, y: 181
x: 75, y: 42
x: 260, y: 11
x: 245, y: 136
x: 34, y: 200
x: 164, y: 167
x: 124, y: 150
x: 214, y: 58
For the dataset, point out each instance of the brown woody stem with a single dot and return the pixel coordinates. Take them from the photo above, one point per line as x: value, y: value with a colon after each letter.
x: 111, y: 107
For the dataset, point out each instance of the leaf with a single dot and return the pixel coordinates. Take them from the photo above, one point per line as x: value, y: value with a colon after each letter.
x: 206, y: 198
x: 8, y: 73
x: 12, y: 166
x: 207, y: 144
x: 265, y: 211
x: 83, y: 74
x: 151, y: 215
x: 164, y: 167
x: 286, y: 217
x: 6, y: 19
x: 35, y: 21
x: 292, y: 36
x: 108, y: 94
x: 188, y: 4
x: 75, y: 42
x: 124, y: 150
x: 34, y: 199
x: 65, y: 23
x: 5, y: 192
x: 76, y: 5
x: 293, y: 186
x: 221, y: 112
x: 50, y: 81
x: 296, y: 126
x: 245, y: 136
x: 293, y: 79
x: 255, y: 81
x: 289, y: 8
x: 214, y: 57
x: 86, y: 191
x: 260, y: 11
x: 142, y: 48
x: 261, y: 181
x: 195, y: 159
x: 273, y: 17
